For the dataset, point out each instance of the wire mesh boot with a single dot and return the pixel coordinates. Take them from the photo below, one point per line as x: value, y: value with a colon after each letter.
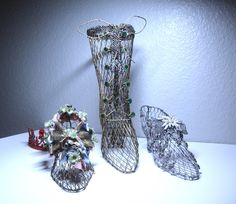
x: 69, y: 172
x: 165, y: 141
x: 119, y: 146
x: 111, y: 47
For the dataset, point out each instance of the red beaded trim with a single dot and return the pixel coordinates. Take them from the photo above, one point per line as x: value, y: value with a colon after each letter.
x: 36, y: 142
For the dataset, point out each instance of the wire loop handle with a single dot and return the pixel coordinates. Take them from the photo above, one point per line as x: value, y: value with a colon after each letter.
x: 90, y: 21
x: 142, y: 18
x: 108, y: 23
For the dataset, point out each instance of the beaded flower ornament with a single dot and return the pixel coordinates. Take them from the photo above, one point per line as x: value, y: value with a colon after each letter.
x: 68, y: 137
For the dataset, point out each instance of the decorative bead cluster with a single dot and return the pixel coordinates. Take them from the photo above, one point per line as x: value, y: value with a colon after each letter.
x: 70, y: 128
x: 116, y: 70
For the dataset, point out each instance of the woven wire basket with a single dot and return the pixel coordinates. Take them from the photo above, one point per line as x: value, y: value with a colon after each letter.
x: 170, y: 151
x: 111, y: 48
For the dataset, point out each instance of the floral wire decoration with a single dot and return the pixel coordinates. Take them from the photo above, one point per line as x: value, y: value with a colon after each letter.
x: 69, y: 138
x: 165, y: 141
x: 111, y: 46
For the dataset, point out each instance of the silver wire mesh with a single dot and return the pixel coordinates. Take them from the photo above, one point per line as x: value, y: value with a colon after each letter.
x: 69, y: 138
x: 68, y: 178
x: 170, y: 151
x: 111, y: 48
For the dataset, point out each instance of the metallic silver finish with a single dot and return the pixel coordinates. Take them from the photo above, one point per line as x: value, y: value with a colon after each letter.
x: 165, y: 141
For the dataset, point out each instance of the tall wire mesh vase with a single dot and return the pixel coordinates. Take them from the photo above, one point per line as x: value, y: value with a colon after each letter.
x: 112, y: 47
x: 165, y: 141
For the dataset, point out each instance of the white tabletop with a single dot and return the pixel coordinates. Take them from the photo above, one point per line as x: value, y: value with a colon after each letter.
x: 22, y: 179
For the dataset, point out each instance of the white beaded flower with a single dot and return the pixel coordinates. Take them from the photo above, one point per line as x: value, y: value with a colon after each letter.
x: 170, y: 121
x: 74, y: 157
x: 82, y: 116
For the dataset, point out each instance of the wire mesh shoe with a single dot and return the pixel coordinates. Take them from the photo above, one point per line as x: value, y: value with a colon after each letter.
x: 165, y: 141
x: 111, y: 47
x: 69, y: 138
x: 72, y: 169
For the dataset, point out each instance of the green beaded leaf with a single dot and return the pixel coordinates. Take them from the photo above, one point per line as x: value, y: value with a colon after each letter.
x: 129, y: 100
x: 103, y: 115
x: 126, y: 67
x: 124, y: 49
x: 106, y: 84
x: 106, y: 49
x: 107, y: 67
x: 127, y: 83
x: 132, y: 114
x: 124, y: 34
x: 104, y: 100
